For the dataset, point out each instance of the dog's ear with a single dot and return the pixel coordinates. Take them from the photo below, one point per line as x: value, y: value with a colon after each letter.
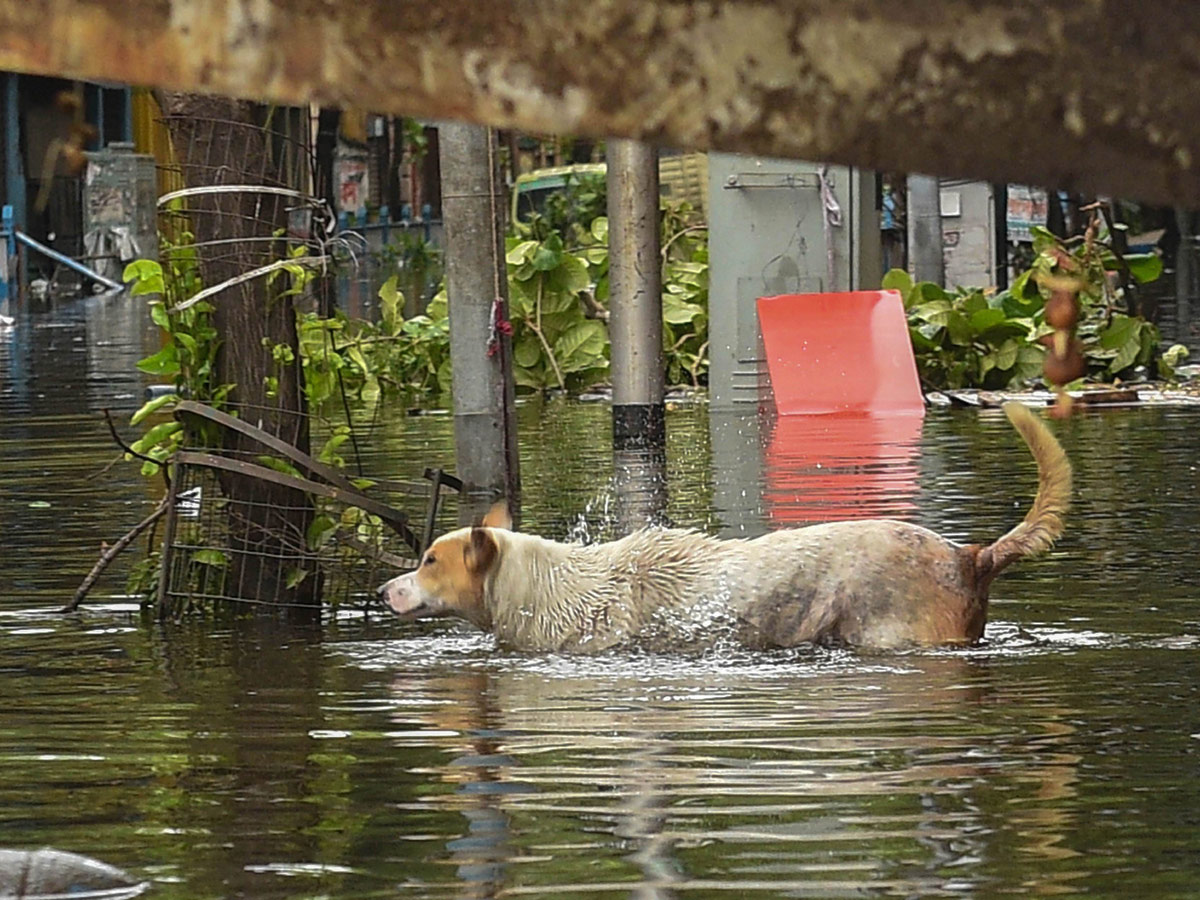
x: 498, y: 516
x: 481, y: 552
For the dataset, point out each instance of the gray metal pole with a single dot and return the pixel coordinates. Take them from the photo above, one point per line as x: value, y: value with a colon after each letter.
x: 925, y: 248
x: 1183, y: 277
x: 485, y: 433
x: 635, y: 295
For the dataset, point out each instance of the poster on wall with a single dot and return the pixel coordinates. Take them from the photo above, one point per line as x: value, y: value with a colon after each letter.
x: 1027, y: 207
x: 350, y: 176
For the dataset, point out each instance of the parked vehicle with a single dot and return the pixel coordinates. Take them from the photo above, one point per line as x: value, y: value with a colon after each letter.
x: 682, y: 177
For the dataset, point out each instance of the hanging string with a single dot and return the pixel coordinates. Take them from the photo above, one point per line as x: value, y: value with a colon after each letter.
x: 499, y: 326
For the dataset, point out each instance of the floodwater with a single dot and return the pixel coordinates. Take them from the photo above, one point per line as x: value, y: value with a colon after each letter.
x: 370, y: 758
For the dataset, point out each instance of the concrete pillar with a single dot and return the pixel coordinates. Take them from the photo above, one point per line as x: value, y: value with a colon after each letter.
x: 635, y: 295
x: 485, y: 433
x: 925, y: 249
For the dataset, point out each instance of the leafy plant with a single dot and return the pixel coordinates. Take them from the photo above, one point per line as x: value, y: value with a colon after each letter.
x: 568, y: 212
x: 555, y: 344
x: 187, y: 357
x: 417, y: 264
x: 967, y: 338
x: 970, y: 337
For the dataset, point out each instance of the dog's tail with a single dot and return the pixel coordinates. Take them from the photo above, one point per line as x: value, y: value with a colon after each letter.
x: 1044, y: 521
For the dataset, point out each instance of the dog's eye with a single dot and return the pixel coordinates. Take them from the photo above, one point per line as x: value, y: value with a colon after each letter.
x: 429, y: 560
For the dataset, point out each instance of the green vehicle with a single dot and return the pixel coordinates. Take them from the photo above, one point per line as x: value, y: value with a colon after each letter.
x: 681, y: 177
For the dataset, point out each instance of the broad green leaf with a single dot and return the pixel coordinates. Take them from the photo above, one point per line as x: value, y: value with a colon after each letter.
x: 164, y: 362
x: 328, y: 454
x: 188, y: 343
x: 529, y: 378
x: 520, y: 253
x: 152, y: 406
x: 1006, y: 354
x: 679, y: 312
x: 1009, y: 328
x: 1030, y: 358
x: 545, y: 258
x: 155, y: 435
x: 934, y: 313
x: 527, y: 352
x: 1119, y: 332
x: 391, y: 301
x: 974, y: 302
x: 354, y: 351
x: 959, y: 328
x: 897, y: 280
x: 599, y: 229
x: 581, y: 346
x: 1144, y: 267
x: 209, y: 558
x: 1128, y: 352
x: 983, y: 319
x: 987, y: 362
x: 571, y: 275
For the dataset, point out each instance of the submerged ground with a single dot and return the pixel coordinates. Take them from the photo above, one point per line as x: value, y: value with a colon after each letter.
x: 369, y: 758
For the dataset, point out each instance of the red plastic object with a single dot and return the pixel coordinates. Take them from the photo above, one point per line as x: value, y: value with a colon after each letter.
x: 846, y: 352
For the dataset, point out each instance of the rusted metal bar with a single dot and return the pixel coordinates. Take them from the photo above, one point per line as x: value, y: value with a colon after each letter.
x: 280, y: 446
x: 1056, y: 92
x: 394, y: 518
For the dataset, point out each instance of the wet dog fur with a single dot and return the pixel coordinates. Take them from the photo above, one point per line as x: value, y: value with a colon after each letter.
x: 875, y: 584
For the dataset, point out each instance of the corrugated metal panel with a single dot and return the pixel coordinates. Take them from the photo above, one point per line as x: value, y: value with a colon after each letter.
x: 150, y: 136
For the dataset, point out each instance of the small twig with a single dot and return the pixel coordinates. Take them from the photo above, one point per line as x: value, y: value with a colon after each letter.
x: 112, y: 552
x: 592, y: 309
x: 676, y: 236
x: 695, y: 369
x: 107, y: 468
x: 537, y: 329
x: 1127, y: 279
x: 112, y: 429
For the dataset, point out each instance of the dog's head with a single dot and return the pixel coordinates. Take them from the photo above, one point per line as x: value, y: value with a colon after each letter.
x: 450, y: 578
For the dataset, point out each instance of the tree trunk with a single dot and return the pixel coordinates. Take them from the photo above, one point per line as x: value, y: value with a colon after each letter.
x: 222, y: 141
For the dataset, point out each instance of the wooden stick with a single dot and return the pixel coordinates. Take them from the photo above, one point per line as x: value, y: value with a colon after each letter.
x: 112, y: 552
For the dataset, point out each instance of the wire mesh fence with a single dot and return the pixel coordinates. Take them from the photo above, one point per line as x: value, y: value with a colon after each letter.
x: 251, y: 526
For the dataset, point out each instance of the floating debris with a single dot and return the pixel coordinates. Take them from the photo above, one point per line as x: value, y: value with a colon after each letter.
x: 48, y: 873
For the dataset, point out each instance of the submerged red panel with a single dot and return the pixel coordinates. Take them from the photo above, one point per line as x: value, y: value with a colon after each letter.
x: 845, y: 352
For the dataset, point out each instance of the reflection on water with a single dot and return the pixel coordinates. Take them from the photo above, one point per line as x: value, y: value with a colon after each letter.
x: 372, y: 758
x: 815, y: 773
x: 841, y: 466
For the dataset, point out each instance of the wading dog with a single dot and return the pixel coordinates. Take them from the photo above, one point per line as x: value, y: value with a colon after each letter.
x: 878, y: 584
